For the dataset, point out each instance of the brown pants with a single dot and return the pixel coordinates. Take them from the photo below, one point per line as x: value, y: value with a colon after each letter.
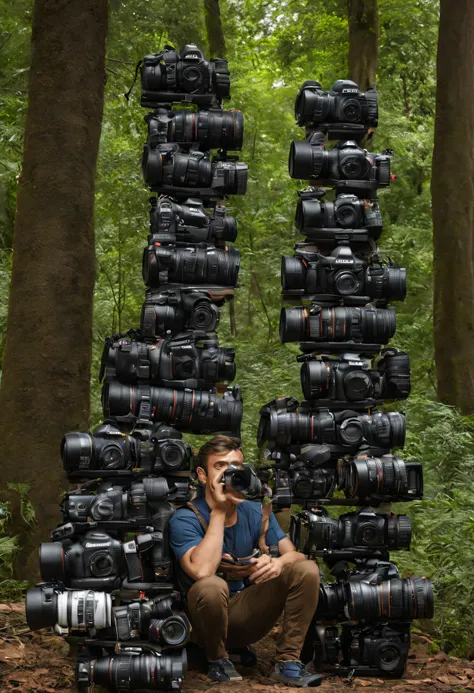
x: 220, y: 621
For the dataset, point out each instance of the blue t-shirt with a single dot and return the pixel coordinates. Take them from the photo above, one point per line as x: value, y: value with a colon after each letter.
x: 241, y: 539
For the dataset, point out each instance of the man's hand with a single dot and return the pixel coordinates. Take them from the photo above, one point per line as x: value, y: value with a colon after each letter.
x: 221, y: 499
x: 234, y: 572
x: 264, y: 569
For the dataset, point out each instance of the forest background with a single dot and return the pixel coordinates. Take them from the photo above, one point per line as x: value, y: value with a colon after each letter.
x: 272, y: 48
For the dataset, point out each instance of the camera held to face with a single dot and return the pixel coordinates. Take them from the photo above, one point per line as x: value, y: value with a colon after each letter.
x: 189, y: 223
x: 242, y: 479
x: 170, y: 76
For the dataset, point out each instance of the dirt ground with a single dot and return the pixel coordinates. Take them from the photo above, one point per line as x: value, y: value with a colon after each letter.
x: 37, y: 663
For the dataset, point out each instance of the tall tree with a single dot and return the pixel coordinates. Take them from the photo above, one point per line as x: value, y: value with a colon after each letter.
x: 363, y: 16
x: 452, y: 189
x: 215, y: 32
x: 46, y: 369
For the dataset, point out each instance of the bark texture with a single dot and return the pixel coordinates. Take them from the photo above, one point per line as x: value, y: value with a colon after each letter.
x: 46, y: 370
x: 452, y: 188
x: 215, y: 32
x: 363, y: 16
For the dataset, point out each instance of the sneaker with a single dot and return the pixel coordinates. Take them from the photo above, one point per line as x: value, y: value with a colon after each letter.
x: 245, y: 656
x: 294, y: 674
x: 223, y: 670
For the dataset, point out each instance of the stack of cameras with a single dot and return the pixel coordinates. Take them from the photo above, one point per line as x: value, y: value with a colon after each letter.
x: 108, y: 581
x: 335, y: 446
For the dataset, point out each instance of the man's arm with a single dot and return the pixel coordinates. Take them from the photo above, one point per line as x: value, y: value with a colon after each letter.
x: 202, y: 560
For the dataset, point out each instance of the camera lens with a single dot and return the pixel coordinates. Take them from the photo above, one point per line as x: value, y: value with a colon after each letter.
x: 305, y: 160
x: 347, y: 214
x: 351, y: 111
x: 346, y: 283
x: 308, y: 215
x: 156, y: 489
x: 41, y: 607
x: 172, y: 454
x: 389, y: 656
x: 191, y: 78
x: 315, y: 379
x: 52, y: 561
x: 112, y: 457
x: 205, y: 316
x: 399, y: 532
x: 102, y: 564
x: 134, y: 671
x: 293, y: 273
x: 351, y: 431
x: 229, y: 231
x: 293, y: 324
x: 77, y: 451
x: 357, y: 386
x: 353, y: 166
x: 172, y: 631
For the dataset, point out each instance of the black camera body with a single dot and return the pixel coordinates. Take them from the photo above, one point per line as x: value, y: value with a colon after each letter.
x: 191, y: 359
x: 181, y: 309
x: 346, y: 166
x: 355, y: 378
x: 349, y: 218
x: 171, y: 170
x: 361, y: 650
x: 108, y: 452
x: 343, y: 112
x: 189, y: 223
x: 199, y: 264
x: 99, y: 561
x: 343, y: 274
x: 169, y: 76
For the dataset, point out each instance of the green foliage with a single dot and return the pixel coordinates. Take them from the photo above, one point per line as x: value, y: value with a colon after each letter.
x: 12, y: 590
x: 273, y: 47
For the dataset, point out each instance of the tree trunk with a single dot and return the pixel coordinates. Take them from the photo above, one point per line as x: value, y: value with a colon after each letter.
x: 452, y: 189
x: 363, y: 16
x: 215, y: 33
x: 46, y: 369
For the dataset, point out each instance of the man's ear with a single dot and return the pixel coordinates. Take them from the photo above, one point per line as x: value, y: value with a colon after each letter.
x: 201, y: 475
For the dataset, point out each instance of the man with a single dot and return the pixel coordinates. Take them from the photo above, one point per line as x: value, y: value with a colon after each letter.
x: 225, y: 613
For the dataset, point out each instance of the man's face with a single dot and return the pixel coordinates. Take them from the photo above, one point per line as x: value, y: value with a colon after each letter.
x: 217, y: 465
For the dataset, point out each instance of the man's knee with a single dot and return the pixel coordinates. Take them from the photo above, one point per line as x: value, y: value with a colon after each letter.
x: 304, y: 571
x: 208, y: 591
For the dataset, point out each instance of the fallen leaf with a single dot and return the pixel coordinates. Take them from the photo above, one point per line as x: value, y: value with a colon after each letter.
x: 362, y: 682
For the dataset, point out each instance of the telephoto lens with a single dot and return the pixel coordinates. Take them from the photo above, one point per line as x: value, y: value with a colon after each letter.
x: 321, y: 220
x: 48, y: 605
x: 361, y: 529
x: 346, y: 163
x: 189, y: 223
x: 177, y: 310
x: 134, y: 669
x: 191, y: 359
x: 192, y: 410
x: 345, y: 103
x: 346, y: 428
x: 398, y: 599
x: 210, y: 129
x: 170, y: 76
x: 339, y: 324
x: 200, y: 264
x: 386, y: 477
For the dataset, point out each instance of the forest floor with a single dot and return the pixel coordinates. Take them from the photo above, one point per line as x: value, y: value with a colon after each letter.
x: 36, y: 663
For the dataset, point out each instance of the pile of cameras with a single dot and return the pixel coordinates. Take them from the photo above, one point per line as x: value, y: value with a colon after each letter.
x: 108, y: 580
x: 334, y: 448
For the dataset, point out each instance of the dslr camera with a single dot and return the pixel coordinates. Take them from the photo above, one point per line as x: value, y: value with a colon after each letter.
x: 191, y: 359
x: 195, y: 264
x: 385, y: 479
x: 168, y: 169
x: 341, y: 273
x: 99, y: 561
x: 348, y: 218
x: 170, y: 76
x: 242, y: 479
x: 176, y: 310
x: 353, y: 534
x: 346, y: 166
x: 364, y: 650
x: 344, y: 111
x: 355, y: 378
x: 107, y: 451
x: 189, y: 223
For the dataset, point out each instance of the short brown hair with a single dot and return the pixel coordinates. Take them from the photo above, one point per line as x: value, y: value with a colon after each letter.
x: 216, y: 445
